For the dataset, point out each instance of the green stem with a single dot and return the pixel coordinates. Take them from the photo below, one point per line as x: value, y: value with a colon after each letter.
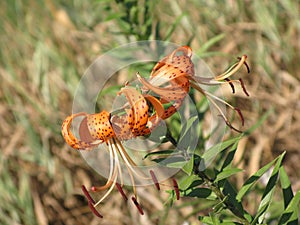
x: 223, y: 198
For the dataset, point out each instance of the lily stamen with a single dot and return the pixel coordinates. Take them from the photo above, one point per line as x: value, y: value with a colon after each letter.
x: 120, y: 189
x: 233, y: 69
x: 138, y: 206
x: 154, y: 180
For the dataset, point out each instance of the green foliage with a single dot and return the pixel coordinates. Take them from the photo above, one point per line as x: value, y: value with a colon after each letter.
x: 219, y: 189
x: 134, y: 17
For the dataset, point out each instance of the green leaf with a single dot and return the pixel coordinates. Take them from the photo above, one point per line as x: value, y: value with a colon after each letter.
x: 173, y: 26
x: 205, y: 220
x: 268, y: 193
x: 211, y: 153
x: 227, y: 173
x: 210, y: 43
x: 162, y: 153
x: 190, y: 182
x: 252, y: 180
x: 230, y: 193
x: 198, y: 192
x: 286, y: 187
x: 189, y: 166
x: 290, y: 214
x: 184, y: 139
x: 228, y: 160
x: 172, y: 162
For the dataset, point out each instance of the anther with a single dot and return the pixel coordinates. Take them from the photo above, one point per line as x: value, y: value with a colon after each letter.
x: 87, y: 195
x: 154, y: 180
x: 138, y: 206
x: 245, y: 63
x: 120, y: 189
x: 232, y: 127
x: 176, y: 189
x: 94, y: 210
x: 231, y: 84
x: 243, y: 86
x: 240, y: 114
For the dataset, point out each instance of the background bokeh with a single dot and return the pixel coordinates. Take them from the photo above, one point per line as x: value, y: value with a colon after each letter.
x: 45, y: 48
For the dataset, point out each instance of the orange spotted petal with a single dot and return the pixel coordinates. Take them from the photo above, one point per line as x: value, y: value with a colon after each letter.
x: 179, y: 59
x: 99, y: 126
x: 121, y: 127
x: 70, y: 139
x: 138, y: 113
x: 154, y: 120
x: 172, y: 93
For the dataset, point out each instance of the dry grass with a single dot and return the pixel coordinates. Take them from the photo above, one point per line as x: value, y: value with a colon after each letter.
x: 45, y: 47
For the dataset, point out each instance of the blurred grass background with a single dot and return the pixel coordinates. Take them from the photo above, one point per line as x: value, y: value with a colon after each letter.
x: 46, y: 46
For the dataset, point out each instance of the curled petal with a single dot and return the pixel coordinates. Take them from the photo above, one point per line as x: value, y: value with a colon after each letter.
x: 71, y: 139
x: 99, y: 126
x: 138, y: 113
x: 180, y: 58
x: 168, y: 93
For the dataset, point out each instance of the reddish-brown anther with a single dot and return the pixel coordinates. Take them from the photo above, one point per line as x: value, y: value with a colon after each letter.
x: 231, y: 85
x: 87, y: 195
x: 94, y: 210
x: 154, y: 180
x: 240, y: 114
x: 120, y: 189
x: 176, y: 189
x: 243, y: 86
x: 138, y: 206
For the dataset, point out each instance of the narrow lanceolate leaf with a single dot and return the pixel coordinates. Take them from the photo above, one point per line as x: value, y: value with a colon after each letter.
x: 190, y: 182
x: 211, y: 153
x: 290, y: 214
x: 235, y: 205
x: 162, y: 153
x: 187, y: 127
x: 228, y: 160
x: 252, y: 180
x: 227, y: 173
x: 268, y: 193
x: 286, y: 187
x: 189, y: 166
